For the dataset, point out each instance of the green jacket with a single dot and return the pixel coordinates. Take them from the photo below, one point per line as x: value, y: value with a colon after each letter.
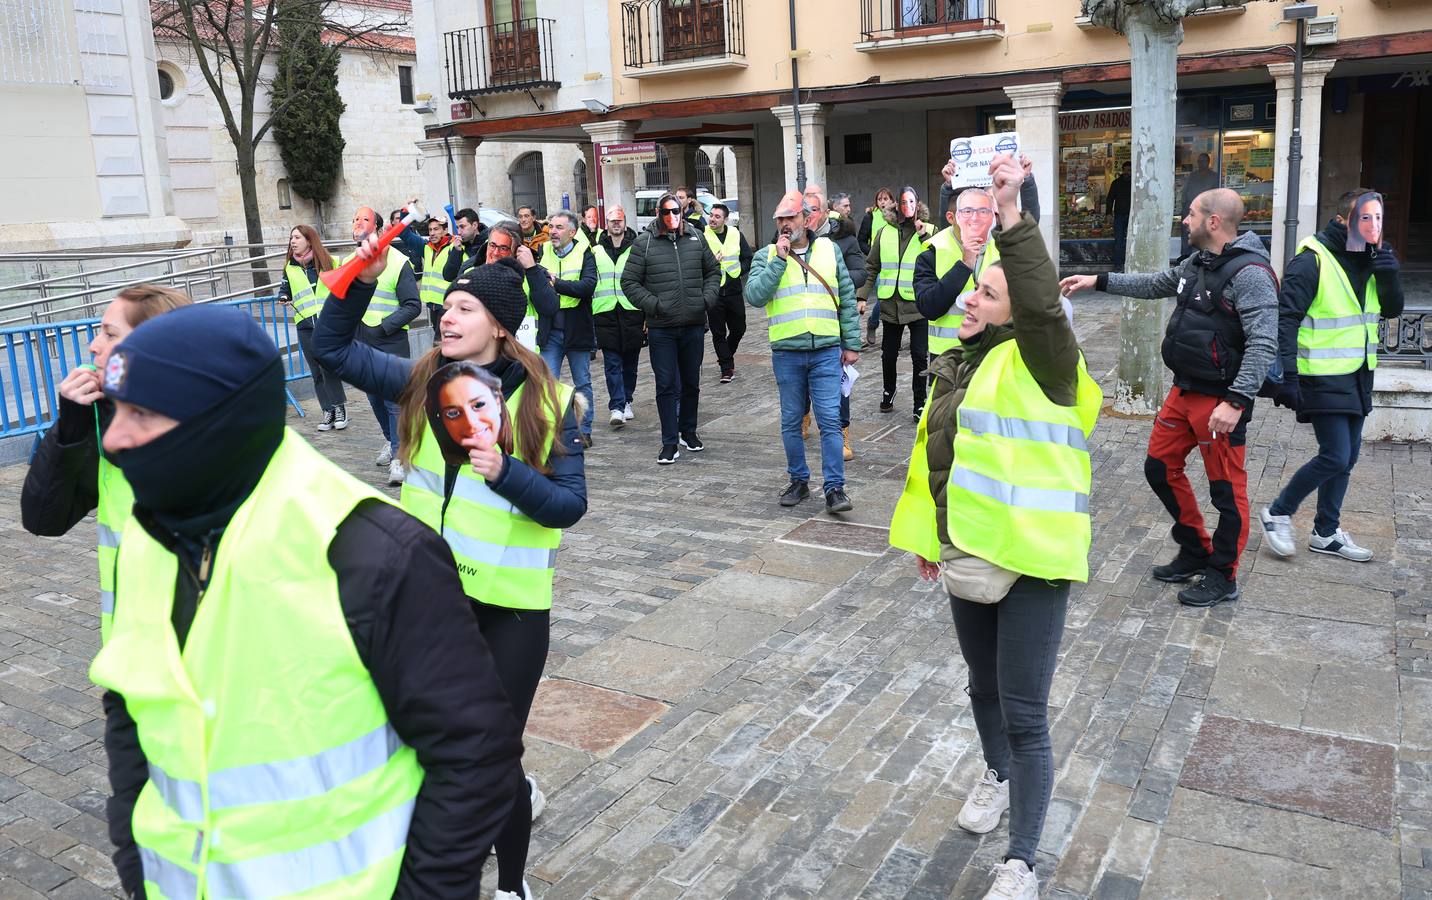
x: 761, y: 285
x: 893, y: 309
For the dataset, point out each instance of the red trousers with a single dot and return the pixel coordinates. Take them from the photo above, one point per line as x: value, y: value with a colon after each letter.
x: 1182, y: 424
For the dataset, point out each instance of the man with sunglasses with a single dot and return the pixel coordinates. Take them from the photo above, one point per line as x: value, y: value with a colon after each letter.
x: 673, y: 277
x: 502, y: 241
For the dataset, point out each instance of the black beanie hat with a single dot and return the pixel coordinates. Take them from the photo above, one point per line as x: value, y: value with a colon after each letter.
x: 188, y: 361
x: 499, y: 286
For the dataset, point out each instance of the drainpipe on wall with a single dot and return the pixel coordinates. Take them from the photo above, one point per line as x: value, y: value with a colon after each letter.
x: 796, y: 104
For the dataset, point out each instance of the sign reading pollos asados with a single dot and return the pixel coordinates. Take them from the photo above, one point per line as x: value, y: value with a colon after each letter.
x: 1094, y: 119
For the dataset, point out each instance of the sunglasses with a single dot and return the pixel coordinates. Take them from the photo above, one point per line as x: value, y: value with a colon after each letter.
x: 671, y: 211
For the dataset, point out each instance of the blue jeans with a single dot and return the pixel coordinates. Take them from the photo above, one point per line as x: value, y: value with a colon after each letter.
x: 580, y: 362
x: 1339, y: 440
x: 1011, y: 648
x: 810, y: 379
x: 620, y: 369
x: 874, y: 313
x: 676, y: 354
x: 386, y: 411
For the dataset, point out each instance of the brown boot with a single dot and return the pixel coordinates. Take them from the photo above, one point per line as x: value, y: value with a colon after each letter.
x: 849, y: 453
x: 805, y: 427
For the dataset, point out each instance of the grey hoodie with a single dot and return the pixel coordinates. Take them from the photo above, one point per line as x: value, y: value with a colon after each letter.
x: 1253, y: 292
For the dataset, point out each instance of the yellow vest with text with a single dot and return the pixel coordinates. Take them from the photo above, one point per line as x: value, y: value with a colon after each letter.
x: 273, y: 767
x: 1337, y: 335
x: 385, y: 293
x: 897, y: 271
x: 609, y: 295
x: 945, y: 331
x: 566, y: 268
x: 730, y: 249
x: 306, y: 299
x: 1018, y: 494
x: 802, y: 305
x: 116, y: 502
x: 433, y: 286
x: 503, y: 557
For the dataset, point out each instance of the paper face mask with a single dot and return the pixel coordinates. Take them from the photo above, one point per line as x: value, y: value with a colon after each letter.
x: 465, y: 409
x: 1364, y: 226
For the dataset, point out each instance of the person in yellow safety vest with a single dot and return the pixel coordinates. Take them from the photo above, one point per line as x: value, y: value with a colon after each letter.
x: 590, y: 231
x: 572, y: 337
x: 305, y: 293
x: 620, y: 326
x: 385, y: 328
x: 952, y: 264
x: 502, y: 514
x: 890, y: 278
x: 728, y: 317
x: 1328, y: 311
x: 803, y: 285
x: 876, y: 218
x: 267, y: 731
x: 996, y: 505
x: 69, y: 476
x: 433, y: 282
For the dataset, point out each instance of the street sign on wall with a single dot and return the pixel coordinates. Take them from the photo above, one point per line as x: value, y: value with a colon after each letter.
x: 627, y: 154
x: 461, y: 111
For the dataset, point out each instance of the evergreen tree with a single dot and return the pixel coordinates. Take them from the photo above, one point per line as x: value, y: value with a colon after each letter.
x: 305, y: 97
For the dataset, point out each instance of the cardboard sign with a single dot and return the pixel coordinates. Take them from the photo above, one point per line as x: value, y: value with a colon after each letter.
x: 1364, y: 223
x: 972, y: 156
x: 527, y: 333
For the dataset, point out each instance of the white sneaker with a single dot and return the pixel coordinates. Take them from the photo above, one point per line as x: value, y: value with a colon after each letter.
x: 627, y: 413
x: 985, y: 804
x: 395, y: 472
x: 1278, y: 533
x: 385, y: 456
x: 508, y: 895
x: 539, y: 799
x: 618, y: 418
x: 1339, y: 543
x: 1013, y: 881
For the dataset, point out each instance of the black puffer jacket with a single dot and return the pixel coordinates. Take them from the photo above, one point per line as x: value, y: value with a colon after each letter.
x: 1324, y: 394
x: 672, y: 277
x: 620, y: 330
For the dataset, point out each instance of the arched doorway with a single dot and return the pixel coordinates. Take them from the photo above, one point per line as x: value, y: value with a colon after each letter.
x: 529, y: 187
x: 579, y: 186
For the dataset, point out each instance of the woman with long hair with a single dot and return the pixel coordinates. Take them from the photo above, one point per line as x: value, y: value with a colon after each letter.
x: 890, y: 278
x: 69, y: 476
x: 503, y: 511
x: 307, y: 259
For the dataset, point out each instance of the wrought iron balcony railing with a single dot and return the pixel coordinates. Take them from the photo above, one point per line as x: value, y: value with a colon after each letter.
x: 502, y: 58
x: 885, y: 19
x: 662, y: 32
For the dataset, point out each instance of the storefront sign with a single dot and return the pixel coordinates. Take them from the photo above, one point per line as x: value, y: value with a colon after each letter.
x: 972, y: 155
x: 1260, y: 158
x: 1095, y: 119
x: 1240, y: 112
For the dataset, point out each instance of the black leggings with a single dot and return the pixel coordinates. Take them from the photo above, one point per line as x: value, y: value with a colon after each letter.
x: 890, y: 354
x: 518, y: 640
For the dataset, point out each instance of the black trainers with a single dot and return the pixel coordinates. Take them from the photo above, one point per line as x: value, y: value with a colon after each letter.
x: 340, y: 417
x: 327, y: 423
x: 668, y: 455
x: 887, y: 403
x: 1212, y: 590
x: 919, y: 411
x: 836, y: 501
x: 691, y: 442
x: 794, y: 493
x: 1180, y: 569
x: 728, y: 376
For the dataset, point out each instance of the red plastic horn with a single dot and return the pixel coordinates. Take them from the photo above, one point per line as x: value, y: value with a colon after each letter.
x: 337, y: 280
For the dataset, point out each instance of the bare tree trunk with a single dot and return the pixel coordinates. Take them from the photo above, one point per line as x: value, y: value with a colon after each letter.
x: 253, y: 219
x: 1153, y: 47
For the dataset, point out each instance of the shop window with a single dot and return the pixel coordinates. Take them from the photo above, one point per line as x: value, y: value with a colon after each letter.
x: 405, y: 85
x: 859, y: 150
x: 579, y: 185
x: 285, y: 196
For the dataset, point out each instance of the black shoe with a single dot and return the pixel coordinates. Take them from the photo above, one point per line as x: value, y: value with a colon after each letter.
x: 887, y: 403
x: 668, y: 455
x: 1181, y: 569
x: 586, y: 441
x: 919, y: 410
x: 836, y: 501
x: 794, y: 493
x: 1212, y: 590
x: 691, y: 442
x: 728, y: 376
x: 327, y: 423
x: 340, y: 417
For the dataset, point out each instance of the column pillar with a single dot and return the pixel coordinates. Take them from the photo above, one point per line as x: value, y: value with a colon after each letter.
x: 813, y: 117
x: 745, y: 156
x: 441, y: 188
x: 1315, y: 72
x: 1036, y: 118
x: 618, y: 181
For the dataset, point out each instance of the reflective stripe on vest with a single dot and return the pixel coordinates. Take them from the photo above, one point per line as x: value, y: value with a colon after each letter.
x: 609, y: 294
x: 385, y: 293
x: 730, y: 249
x: 802, y: 305
x: 116, y: 502
x: 503, y: 557
x: 433, y: 286
x: 274, y: 769
x: 1338, y: 335
x: 897, y: 271
x: 307, y: 299
x: 566, y: 268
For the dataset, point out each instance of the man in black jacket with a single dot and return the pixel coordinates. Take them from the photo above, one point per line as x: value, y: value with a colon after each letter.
x: 471, y: 249
x: 196, y: 445
x: 571, y: 335
x: 672, y: 276
x: 1335, y: 402
x: 1116, y: 206
x: 728, y: 317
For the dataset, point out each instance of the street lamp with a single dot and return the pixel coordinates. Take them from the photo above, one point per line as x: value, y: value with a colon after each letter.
x: 1299, y: 14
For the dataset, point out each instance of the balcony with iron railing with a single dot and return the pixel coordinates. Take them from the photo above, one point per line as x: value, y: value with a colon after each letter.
x: 504, y: 58
x: 663, y: 37
x: 899, y: 24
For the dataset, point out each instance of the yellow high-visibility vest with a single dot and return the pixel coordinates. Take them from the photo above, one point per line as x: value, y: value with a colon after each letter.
x: 1337, y: 335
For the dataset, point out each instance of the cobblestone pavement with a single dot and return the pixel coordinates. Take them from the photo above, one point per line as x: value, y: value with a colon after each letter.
x: 745, y: 701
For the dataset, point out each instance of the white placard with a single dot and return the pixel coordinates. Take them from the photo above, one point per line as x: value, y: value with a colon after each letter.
x: 848, y: 375
x: 527, y: 333
x: 972, y: 156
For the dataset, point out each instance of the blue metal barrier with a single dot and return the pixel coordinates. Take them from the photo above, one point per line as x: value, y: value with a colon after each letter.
x: 38, y: 357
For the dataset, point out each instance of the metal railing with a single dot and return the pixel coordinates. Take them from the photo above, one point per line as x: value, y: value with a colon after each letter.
x: 36, y: 358
x: 656, y: 32
x: 882, y: 19
x: 494, y: 59
x: 1407, y: 337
